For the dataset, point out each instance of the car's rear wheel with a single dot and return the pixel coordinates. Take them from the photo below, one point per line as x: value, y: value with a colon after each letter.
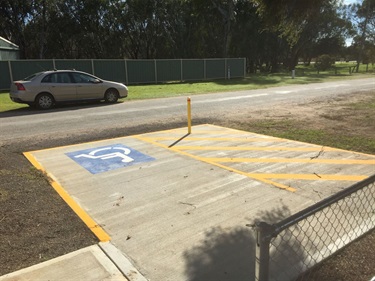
x: 44, y: 101
x: 111, y: 96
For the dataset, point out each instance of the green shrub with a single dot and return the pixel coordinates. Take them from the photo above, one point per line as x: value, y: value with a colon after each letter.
x: 324, y: 62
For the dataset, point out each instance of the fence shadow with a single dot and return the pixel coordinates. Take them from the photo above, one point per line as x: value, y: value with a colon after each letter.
x: 230, y: 254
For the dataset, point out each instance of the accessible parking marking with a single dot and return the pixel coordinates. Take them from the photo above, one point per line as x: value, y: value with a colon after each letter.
x: 244, y: 148
x: 173, y: 190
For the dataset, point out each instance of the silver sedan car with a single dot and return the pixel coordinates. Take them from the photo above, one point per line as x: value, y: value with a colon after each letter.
x: 44, y: 89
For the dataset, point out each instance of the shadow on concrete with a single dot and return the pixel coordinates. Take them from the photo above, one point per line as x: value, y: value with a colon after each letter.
x: 229, y: 254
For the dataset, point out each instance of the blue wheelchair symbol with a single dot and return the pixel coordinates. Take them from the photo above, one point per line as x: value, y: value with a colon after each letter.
x: 122, y: 154
x: 102, y: 159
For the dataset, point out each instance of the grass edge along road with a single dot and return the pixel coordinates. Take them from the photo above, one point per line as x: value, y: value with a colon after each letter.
x: 304, y: 75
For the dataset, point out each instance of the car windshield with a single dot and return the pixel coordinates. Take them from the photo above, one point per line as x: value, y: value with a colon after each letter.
x: 31, y: 77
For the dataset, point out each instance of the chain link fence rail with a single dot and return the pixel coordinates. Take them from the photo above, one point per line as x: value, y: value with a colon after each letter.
x: 288, y: 249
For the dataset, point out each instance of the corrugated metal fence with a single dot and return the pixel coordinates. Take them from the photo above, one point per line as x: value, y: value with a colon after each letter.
x: 130, y: 71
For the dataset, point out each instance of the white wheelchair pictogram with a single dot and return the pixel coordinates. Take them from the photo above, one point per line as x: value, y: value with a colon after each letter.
x: 121, y: 154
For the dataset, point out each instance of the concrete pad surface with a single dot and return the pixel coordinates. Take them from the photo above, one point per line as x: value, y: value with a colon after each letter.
x: 176, y: 205
x: 86, y: 264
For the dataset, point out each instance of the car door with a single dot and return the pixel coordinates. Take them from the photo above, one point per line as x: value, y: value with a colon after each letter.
x: 61, y: 86
x: 88, y: 87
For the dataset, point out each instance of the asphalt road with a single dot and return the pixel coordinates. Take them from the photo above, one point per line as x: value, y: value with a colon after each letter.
x: 78, y: 119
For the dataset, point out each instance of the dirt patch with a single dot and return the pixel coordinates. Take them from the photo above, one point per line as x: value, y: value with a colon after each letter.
x: 36, y: 225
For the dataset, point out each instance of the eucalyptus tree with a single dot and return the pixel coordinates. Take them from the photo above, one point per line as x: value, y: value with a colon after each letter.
x: 301, y: 23
x: 14, y: 16
x: 363, y: 18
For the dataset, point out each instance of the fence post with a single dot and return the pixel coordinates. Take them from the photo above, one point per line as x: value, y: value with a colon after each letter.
x: 10, y: 71
x: 262, y: 250
x: 182, y: 71
x: 156, y: 71
x: 204, y: 69
x: 126, y: 72
x: 244, y: 67
x: 92, y: 67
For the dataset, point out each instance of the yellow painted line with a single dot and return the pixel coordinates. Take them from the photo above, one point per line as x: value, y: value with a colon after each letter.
x: 255, y: 148
x: 266, y: 178
x: 279, y: 185
x: 292, y: 160
x: 219, y: 139
x: 218, y: 132
x: 90, y: 223
x: 263, y: 179
x: 202, y: 129
x: 215, y: 164
x: 308, y: 177
x: 325, y: 148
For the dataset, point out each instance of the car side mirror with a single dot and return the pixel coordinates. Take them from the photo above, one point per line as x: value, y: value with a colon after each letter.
x: 97, y: 81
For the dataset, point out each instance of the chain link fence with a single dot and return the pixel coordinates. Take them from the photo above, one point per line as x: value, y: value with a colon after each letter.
x: 288, y: 249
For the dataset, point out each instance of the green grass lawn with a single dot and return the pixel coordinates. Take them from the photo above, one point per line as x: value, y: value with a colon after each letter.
x: 304, y: 75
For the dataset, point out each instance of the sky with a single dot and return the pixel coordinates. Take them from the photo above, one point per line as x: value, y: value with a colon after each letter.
x: 348, y: 41
x: 347, y: 2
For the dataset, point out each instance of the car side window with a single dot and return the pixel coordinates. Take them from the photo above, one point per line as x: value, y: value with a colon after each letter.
x: 57, y: 78
x: 63, y: 78
x: 82, y: 78
x: 51, y: 78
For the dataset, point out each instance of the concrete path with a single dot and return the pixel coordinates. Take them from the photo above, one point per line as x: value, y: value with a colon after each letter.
x: 86, y: 264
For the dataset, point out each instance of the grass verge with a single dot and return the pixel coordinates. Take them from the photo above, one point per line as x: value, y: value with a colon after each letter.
x: 304, y: 75
x: 296, y: 130
x: 349, y: 126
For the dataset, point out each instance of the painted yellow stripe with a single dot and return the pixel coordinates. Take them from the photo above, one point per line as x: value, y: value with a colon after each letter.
x: 294, y: 160
x: 279, y: 185
x: 216, y: 164
x: 308, y: 177
x: 262, y: 176
x: 91, y: 224
x: 255, y: 148
x: 219, y: 139
x: 263, y: 179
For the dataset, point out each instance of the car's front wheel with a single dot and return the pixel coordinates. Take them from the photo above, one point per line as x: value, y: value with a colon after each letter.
x: 44, y: 101
x: 111, y: 95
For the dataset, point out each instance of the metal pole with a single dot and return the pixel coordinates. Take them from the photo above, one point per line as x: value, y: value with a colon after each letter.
x: 156, y: 71
x: 181, y: 69
x: 189, y: 114
x: 262, y: 250
x: 92, y: 67
x: 10, y: 71
x: 126, y: 72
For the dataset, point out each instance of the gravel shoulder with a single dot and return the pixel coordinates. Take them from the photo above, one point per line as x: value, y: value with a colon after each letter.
x: 36, y: 225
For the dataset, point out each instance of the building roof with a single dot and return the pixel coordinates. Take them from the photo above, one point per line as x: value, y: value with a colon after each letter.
x: 6, y: 44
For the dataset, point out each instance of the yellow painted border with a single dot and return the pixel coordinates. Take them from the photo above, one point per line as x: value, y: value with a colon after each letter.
x: 90, y: 223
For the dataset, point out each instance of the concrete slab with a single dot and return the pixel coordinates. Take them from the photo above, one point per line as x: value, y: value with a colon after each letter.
x: 86, y: 264
x: 176, y: 205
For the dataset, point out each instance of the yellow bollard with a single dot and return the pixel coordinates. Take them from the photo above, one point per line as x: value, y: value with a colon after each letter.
x: 189, y: 114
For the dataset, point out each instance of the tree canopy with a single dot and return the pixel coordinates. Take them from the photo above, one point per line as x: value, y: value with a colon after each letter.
x: 268, y: 33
